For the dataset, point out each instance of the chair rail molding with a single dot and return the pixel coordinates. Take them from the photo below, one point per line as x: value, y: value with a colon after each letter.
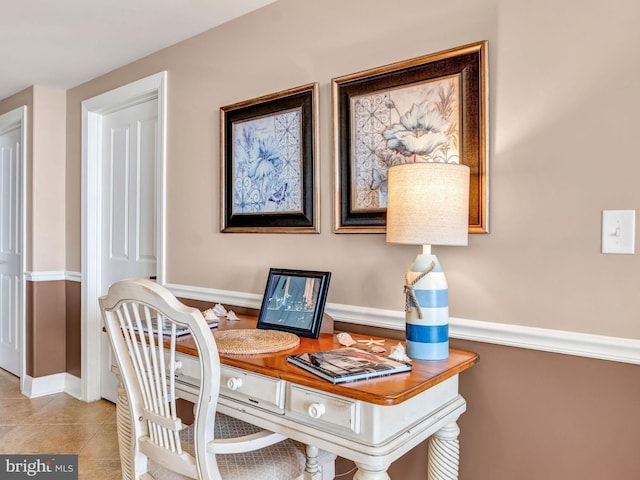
x: 53, y: 276
x: 617, y: 349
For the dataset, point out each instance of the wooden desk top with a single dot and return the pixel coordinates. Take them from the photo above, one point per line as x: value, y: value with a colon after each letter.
x: 388, y: 390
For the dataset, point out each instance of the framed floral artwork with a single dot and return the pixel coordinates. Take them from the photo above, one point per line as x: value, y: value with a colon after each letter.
x: 428, y: 109
x: 269, y: 163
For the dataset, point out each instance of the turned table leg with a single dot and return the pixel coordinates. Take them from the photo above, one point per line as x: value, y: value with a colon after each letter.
x: 368, y: 472
x: 444, y: 453
x: 312, y: 470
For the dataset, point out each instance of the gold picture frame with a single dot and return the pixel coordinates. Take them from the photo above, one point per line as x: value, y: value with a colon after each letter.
x: 269, y: 163
x: 429, y: 108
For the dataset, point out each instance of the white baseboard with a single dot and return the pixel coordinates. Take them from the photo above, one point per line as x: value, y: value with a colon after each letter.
x: 50, y: 384
x: 602, y: 347
x: 73, y: 386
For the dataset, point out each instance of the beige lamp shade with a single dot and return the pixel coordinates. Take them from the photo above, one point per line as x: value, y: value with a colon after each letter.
x: 428, y: 204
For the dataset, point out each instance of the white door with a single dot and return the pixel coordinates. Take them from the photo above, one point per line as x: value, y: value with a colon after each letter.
x: 128, y: 215
x: 105, y: 133
x: 11, y: 291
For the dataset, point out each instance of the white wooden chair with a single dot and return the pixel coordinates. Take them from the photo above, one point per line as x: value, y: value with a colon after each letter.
x: 153, y: 441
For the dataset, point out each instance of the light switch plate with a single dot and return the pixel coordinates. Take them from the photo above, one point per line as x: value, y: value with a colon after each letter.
x: 618, y: 231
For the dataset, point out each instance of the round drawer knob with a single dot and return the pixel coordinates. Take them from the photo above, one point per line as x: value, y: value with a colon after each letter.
x: 234, y: 383
x: 316, y: 410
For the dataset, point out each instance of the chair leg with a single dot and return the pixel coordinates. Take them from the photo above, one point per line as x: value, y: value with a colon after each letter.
x: 125, y: 434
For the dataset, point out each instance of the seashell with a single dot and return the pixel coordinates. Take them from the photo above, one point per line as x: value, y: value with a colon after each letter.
x: 398, y: 353
x: 209, y: 314
x: 371, y: 341
x: 232, y: 316
x: 378, y: 349
x: 345, y: 339
x: 219, y: 310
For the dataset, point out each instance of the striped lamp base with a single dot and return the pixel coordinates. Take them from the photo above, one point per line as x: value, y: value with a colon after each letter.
x: 428, y: 337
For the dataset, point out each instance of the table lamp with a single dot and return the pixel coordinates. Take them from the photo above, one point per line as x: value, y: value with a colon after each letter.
x: 428, y: 204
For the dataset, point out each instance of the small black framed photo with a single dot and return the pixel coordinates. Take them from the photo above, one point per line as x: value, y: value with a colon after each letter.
x: 294, y: 301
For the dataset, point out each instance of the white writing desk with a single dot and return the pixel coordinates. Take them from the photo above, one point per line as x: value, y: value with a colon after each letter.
x: 371, y: 422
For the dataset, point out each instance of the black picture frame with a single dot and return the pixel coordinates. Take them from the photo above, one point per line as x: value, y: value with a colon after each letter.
x: 286, y: 305
x: 367, y: 123
x: 269, y: 163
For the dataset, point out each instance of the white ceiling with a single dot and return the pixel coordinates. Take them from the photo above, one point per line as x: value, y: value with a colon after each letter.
x: 63, y: 43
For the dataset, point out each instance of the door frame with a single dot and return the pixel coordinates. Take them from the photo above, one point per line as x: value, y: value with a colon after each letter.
x: 93, y: 110
x: 17, y: 118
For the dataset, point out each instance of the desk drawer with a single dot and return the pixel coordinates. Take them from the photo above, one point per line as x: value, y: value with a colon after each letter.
x: 326, y: 411
x: 252, y: 388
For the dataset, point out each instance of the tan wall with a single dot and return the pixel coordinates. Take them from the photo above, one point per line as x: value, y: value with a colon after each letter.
x: 540, y: 416
x: 46, y: 313
x: 563, y: 103
x: 535, y: 415
x: 48, y: 176
x: 73, y: 328
x: 45, y: 175
x: 46, y: 343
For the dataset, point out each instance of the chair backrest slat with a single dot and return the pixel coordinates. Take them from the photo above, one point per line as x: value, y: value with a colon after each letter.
x: 172, y: 386
x: 154, y: 380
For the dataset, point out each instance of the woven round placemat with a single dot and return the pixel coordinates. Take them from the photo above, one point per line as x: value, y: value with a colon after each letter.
x: 245, y: 341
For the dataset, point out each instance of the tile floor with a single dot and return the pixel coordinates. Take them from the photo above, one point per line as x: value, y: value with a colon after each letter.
x: 60, y: 424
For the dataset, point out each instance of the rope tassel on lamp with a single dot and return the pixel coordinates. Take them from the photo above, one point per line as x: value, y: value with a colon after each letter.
x: 428, y: 205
